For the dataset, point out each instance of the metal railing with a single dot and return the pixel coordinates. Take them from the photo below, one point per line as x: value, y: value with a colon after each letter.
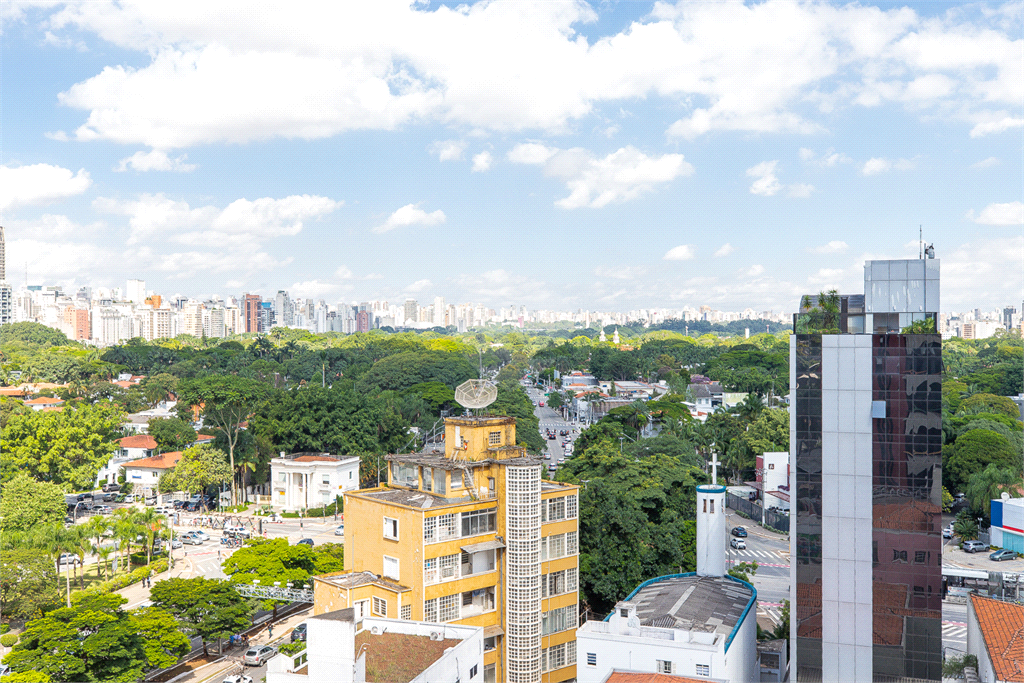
x: 275, y: 592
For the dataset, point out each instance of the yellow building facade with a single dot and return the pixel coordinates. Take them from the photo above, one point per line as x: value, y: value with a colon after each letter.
x: 469, y: 536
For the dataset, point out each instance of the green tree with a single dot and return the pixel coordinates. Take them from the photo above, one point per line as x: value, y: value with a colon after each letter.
x: 989, y: 403
x: 988, y: 484
x: 208, y: 608
x: 67, y: 447
x: 163, y: 641
x: 276, y: 560
x: 171, y: 433
x: 27, y: 503
x: 819, y: 315
x: 28, y: 583
x: 973, y: 451
x: 159, y: 387
x: 965, y: 527
x: 227, y: 402
x: 744, y: 571
x: 200, y: 466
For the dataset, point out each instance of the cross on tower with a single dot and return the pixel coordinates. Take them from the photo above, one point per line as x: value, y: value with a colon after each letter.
x: 714, y: 467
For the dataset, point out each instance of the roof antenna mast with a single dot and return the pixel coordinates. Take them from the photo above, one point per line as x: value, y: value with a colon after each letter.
x: 920, y: 241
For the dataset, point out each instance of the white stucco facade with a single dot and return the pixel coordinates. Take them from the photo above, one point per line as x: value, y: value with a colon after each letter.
x: 308, y: 480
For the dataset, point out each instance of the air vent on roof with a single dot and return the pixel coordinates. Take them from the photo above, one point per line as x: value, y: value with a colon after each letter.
x: 436, y: 635
x: 375, y: 630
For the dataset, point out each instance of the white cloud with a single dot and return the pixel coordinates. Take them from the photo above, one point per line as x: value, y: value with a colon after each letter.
x: 620, y: 272
x: 305, y: 71
x: 876, y: 165
x: 806, y: 154
x: 155, y: 160
x: 447, y: 150
x: 530, y: 153
x: 766, y: 184
x: 502, y: 285
x: 833, y: 247
x: 754, y: 270
x: 343, y: 272
x: 482, y: 161
x: 986, y: 163
x: 313, y: 289
x: 829, y: 159
x: 684, y: 252
x: 419, y: 286
x: 997, y: 126
x: 410, y: 214
x: 982, y: 270
x: 593, y: 182
x: 52, y: 227
x: 724, y: 250
x: 241, y: 222
x: 39, y: 184
x: 799, y: 190
x: 1010, y: 213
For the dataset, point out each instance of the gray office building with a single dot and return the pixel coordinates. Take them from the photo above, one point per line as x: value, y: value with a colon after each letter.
x: 865, y: 527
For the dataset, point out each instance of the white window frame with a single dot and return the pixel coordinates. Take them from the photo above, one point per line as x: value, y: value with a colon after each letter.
x: 664, y: 666
x: 391, y: 528
x: 395, y: 564
x: 406, y: 612
x: 703, y: 670
x: 380, y: 607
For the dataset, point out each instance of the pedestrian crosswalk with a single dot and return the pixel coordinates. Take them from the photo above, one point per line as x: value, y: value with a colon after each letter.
x: 954, y: 630
x: 765, y: 554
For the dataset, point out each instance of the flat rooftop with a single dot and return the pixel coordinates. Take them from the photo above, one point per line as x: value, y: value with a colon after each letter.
x: 399, y: 657
x: 356, y: 579
x: 708, y: 604
x: 413, y: 497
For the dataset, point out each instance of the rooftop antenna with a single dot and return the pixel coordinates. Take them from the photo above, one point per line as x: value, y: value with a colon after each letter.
x: 475, y: 394
x: 920, y: 241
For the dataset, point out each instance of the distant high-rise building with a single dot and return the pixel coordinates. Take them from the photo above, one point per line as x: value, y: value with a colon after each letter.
x: 3, y: 256
x: 136, y: 291
x: 6, y: 303
x: 251, y: 312
x: 866, y: 444
x: 284, y: 309
x: 364, y: 321
x: 1008, y: 313
x: 412, y: 308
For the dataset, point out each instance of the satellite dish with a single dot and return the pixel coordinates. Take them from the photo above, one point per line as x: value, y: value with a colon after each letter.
x: 475, y: 393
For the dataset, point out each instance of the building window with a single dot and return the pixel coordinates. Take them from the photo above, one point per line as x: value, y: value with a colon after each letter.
x: 557, y: 583
x: 490, y: 643
x: 479, y: 522
x: 407, y: 612
x: 591, y: 659
x: 490, y: 485
x: 448, y: 607
x: 430, y: 571
x: 403, y: 474
x: 920, y: 557
x: 428, y: 478
x: 490, y: 673
x: 571, y: 506
x: 472, y: 671
x: 350, y: 475
x: 326, y: 480
x: 555, y: 509
x: 282, y: 477
x: 494, y: 439
x: 391, y: 567
x: 391, y: 528
x: 703, y: 670
x: 449, y: 565
x: 380, y: 606
x: 559, y: 619
x: 663, y: 666
x: 430, y: 610
x: 712, y: 501
x: 899, y: 556
x: 439, y: 528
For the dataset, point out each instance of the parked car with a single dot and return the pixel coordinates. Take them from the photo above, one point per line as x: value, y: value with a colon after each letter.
x: 738, y: 543
x: 340, y: 531
x: 304, y: 541
x: 192, y: 538
x: 552, y: 468
x: 739, y: 532
x: 111, y: 488
x: 258, y: 656
x: 69, y: 558
x: 299, y: 632
x: 973, y: 546
x: 541, y: 404
x: 178, y: 504
x: 947, y: 532
x: 175, y: 544
x: 1004, y: 554
x: 237, y: 532
x: 103, y: 509
x: 238, y: 678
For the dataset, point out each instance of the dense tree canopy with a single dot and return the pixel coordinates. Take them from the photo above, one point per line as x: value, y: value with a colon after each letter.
x: 208, y: 608
x: 27, y: 502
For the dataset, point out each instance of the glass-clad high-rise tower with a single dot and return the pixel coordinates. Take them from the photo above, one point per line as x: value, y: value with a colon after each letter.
x: 866, y: 436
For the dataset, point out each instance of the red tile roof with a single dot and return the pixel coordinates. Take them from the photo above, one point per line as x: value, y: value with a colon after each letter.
x: 123, y: 384
x: 313, y: 458
x: 1002, y: 629
x: 138, y: 441
x: 12, y: 391
x: 44, y: 401
x: 164, y: 461
x: 203, y: 438
x: 636, y: 677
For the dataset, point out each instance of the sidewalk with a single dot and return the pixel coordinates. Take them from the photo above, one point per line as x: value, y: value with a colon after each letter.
x: 138, y: 594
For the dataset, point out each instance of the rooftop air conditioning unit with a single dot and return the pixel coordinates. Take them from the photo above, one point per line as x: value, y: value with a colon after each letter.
x: 436, y: 635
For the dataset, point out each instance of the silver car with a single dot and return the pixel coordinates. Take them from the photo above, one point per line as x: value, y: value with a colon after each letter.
x: 258, y: 656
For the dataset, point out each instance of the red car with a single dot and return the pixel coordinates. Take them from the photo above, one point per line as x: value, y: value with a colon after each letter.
x: 541, y: 404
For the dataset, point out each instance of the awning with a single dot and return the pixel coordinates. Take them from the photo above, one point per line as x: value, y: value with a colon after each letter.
x: 491, y: 631
x: 480, y: 547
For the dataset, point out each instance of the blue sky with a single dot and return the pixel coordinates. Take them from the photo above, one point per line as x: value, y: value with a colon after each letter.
x: 554, y: 154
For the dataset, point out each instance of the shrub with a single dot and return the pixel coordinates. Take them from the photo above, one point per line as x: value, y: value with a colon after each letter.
x: 8, y: 639
x: 292, y: 648
x: 4, y: 628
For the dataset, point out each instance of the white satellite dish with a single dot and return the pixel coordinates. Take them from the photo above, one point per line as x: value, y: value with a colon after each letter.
x: 475, y: 393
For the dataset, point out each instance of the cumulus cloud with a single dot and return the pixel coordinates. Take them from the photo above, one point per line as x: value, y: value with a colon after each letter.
x: 1010, y: 213
x: 419, y: 286
x: 240, y: 222
x: 684, y: 252
x: 595, y: 182
x: 343, y: 272
x: 155, y: 160
x: 410, y: 214
x: 799, y: 190
x: 39, y: 184
x: 298, y: 71
x: 482, y: 161
x: 828, y: 159
x: 876, y: 165
x: 447, y: 150
x: 766, y: 184
x: 833, y: 247
x: 753, y: 271
x: 724, y: 250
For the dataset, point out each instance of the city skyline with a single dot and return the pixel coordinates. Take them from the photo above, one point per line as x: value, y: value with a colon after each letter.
x: 214, y: 157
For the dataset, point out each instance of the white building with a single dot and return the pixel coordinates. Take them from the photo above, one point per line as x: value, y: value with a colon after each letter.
x: 773, y: 475
x: 702, y: 624
x: 344, y: 648
x: 995, y: 632
x: 307, y: 480
x: 130, y: 448
x: 144, y: 475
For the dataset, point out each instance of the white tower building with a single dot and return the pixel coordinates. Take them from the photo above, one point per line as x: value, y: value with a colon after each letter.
x: 710, y: 530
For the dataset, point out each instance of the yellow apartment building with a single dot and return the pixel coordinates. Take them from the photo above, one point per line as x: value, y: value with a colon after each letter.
x: 470, y: 536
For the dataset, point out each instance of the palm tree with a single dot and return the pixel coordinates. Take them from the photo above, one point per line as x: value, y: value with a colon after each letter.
x: 965, y: 527
x: 103, y: 557
x: 151, y: 525
x: 750, y: 407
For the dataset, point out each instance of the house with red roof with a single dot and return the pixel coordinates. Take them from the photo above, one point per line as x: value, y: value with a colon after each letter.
x: 145, y: 474
x: 130, y: 448
x: 308, y: 480
x: 995, y: 635
x: 43, y: 402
